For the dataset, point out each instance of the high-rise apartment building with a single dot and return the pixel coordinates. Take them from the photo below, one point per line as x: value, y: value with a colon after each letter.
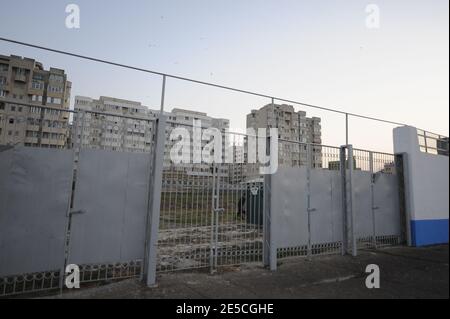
x: 122, y: 125
x: 295, y: 131
x: 112, y: 124
x: 24, y: 86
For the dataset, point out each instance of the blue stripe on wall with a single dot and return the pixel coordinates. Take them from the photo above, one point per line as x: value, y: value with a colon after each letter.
x: 429, y: 232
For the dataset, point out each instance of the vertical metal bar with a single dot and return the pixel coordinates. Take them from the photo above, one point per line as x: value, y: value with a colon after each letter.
x: 266, y: 215
x: 213, y: 220
x: 346, y: 128
x: 154, y: 195
x: 350, y: 199
x: 308, y: 194
x: 216, y: 225
x: 163, y: 93
x: 343, y: 169
x: 372, y: 188
x: 425, y: 141
x: 269, y: 249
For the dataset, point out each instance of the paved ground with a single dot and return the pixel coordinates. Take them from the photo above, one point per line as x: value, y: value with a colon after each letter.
x: 405, y: 273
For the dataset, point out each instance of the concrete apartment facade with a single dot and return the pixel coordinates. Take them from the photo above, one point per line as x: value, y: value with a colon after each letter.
x: 292, y: 126
x: 25, y: 81
x: 127, y: 127
x: 193, y: 175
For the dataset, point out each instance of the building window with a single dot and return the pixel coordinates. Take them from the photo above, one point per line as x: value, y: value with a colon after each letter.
x: 55, y: 89
x: 11, y: 121
x: 38, y: 77
x: 36, y: 98
x: 2, y: 93
x: 56, y: 78
x: 53, y: 100
x: 37, y: 85
x: 21, y: 71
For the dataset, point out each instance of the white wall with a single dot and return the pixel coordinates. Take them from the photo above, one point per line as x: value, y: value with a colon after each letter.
x: 428, y: 182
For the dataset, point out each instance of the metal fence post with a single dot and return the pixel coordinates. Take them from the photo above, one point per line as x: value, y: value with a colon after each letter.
x: 342, y: 167
x: 346, y: 128
x: 372, y: 189
x: 267, y: 224
x: 348, y: 218
x: 155, y: 186
x: 154, y: 195
x: 214, y: 207
x: 350, y: 199
x: 308, y: 198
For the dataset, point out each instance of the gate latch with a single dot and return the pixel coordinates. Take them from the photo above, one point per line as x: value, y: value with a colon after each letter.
x: 311, y: 210
x: 375, y: 207
x: 219, y: 210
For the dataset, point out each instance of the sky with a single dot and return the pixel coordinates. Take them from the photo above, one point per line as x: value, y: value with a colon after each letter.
x: 319, y: 52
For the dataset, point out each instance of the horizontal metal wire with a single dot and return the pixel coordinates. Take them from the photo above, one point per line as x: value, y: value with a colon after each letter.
x: 206, y: 83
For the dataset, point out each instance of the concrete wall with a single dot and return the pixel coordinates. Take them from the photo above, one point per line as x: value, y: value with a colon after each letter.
x: 427, y: 189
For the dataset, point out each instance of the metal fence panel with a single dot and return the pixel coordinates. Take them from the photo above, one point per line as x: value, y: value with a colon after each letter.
x: 326, y: 219
x: 111, y: 191
x: 289, y: 208
x: 362, y: 204
x: 35, y: 187
x: 387, y: 216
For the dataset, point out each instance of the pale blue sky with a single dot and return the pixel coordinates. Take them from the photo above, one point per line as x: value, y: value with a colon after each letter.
x: 319, y: 52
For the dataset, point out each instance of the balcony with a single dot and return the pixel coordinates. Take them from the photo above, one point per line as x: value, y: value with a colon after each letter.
x: 20, y: 78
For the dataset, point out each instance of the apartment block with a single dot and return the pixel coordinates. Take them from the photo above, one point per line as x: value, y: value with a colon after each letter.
x: 24, y: 86
x: 112, y: 124
x: 192, y: 174
x: 295, y: 132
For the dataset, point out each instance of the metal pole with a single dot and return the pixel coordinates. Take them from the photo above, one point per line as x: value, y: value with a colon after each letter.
x: 372, y: 181
x: 154, y: 196
x: 266, y: 245
x: 308, y: 195
x: 350, y: 199
x: 155, y: 185
x: 163, y: 94
x: 343, y: 172
x: 269, y: 251
x: 346, y: 128
x: 213, y: 220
